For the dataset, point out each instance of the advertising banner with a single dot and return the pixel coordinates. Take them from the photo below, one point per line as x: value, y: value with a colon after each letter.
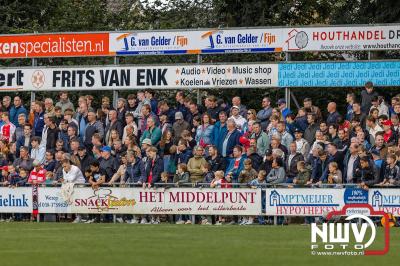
x: 256, y: 40
x: 303, y: 201
x: 54, y: 45
x: 202, y: 41
x: 15, y: 200
x: 339, y: 74
x: 140, y: 77
x: 310, y: 75
x: 387, y: 200
x: 152, y: 201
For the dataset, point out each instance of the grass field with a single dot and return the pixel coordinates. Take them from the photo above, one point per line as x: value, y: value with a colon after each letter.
x: 122, y: 244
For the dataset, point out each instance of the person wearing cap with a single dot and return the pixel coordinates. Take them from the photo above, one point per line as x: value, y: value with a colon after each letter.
x: 389, y: 136
x: 85, y: 159
x: 152, y: 132
x: 283, y: 108
x: 108, y: 164
x: 38, y: 174
x: 178, y: 127
x: 240, y: 121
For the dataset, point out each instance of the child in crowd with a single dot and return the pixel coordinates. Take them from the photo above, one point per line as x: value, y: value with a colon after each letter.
x: 182, y: 176
x: 257, y: 182
x: 207, y: 172
x: 219, y: 182
x: 304, y: 174
x: 248, y: 173
x: 335, y: 175
x: 392, y: 172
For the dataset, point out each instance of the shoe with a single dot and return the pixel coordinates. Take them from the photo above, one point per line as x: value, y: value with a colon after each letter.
x: 90, y: 221
x: 208, y: 223
x: 133, y: 221
x: 2, y: 220
x: 249, y: 222
x: 244, y: 221
x: 188, y: 222
x: 10, y: 220
x: 218, y: 223
x: 155, y: 222
x: 204, y: 221
x: 77, y: 220
x: 232, y: 223
x: 180, y: 222
x: 120, y: 220
x: 143, y: 221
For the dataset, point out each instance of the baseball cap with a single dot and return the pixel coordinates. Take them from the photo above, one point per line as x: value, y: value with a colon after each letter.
x: 146, y: 141
x: 298, y: 130
x: 178, y: 115
x: 5, y: 168
x: 280, y: 101
x: 235, y: 106
x: 387, y: 123
x: 106, y: 149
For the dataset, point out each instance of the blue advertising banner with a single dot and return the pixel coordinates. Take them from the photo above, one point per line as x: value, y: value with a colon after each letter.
x: 339, y: 74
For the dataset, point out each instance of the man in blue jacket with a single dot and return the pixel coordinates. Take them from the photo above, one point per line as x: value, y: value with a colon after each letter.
x: 38, y: 122
x: 230, y: 139
x: 220, y: 130
x: 16, y: 110
x: 135, y: 171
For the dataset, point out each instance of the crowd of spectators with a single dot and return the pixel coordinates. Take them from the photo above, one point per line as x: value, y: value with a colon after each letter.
x: 146, y: 141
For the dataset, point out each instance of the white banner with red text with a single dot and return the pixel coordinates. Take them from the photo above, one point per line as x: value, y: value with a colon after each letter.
x: 199, y: 201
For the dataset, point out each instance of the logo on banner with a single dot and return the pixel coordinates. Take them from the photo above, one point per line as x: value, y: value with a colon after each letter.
x: 103, y: 200
x: 38, y: 79
x: 336, y: 238
x: 297, y: 40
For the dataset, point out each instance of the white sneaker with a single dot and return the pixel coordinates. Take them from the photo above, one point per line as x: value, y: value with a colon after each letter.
x: 90, y: 221
x: 143, y: 221
x: 120, y: 220
x: 208, y: 223
x: 232, y: 222
x: 218, y: 223
x: 244, y: 221
x: 2, y: 220
x: 10, y: 220
x: 204, y: 221
x: 157, y: 221
x: 77, y: 220
x: 180, y: 222
x: 133, y: 221
x: 188, y: 222
x: 249, y: 222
